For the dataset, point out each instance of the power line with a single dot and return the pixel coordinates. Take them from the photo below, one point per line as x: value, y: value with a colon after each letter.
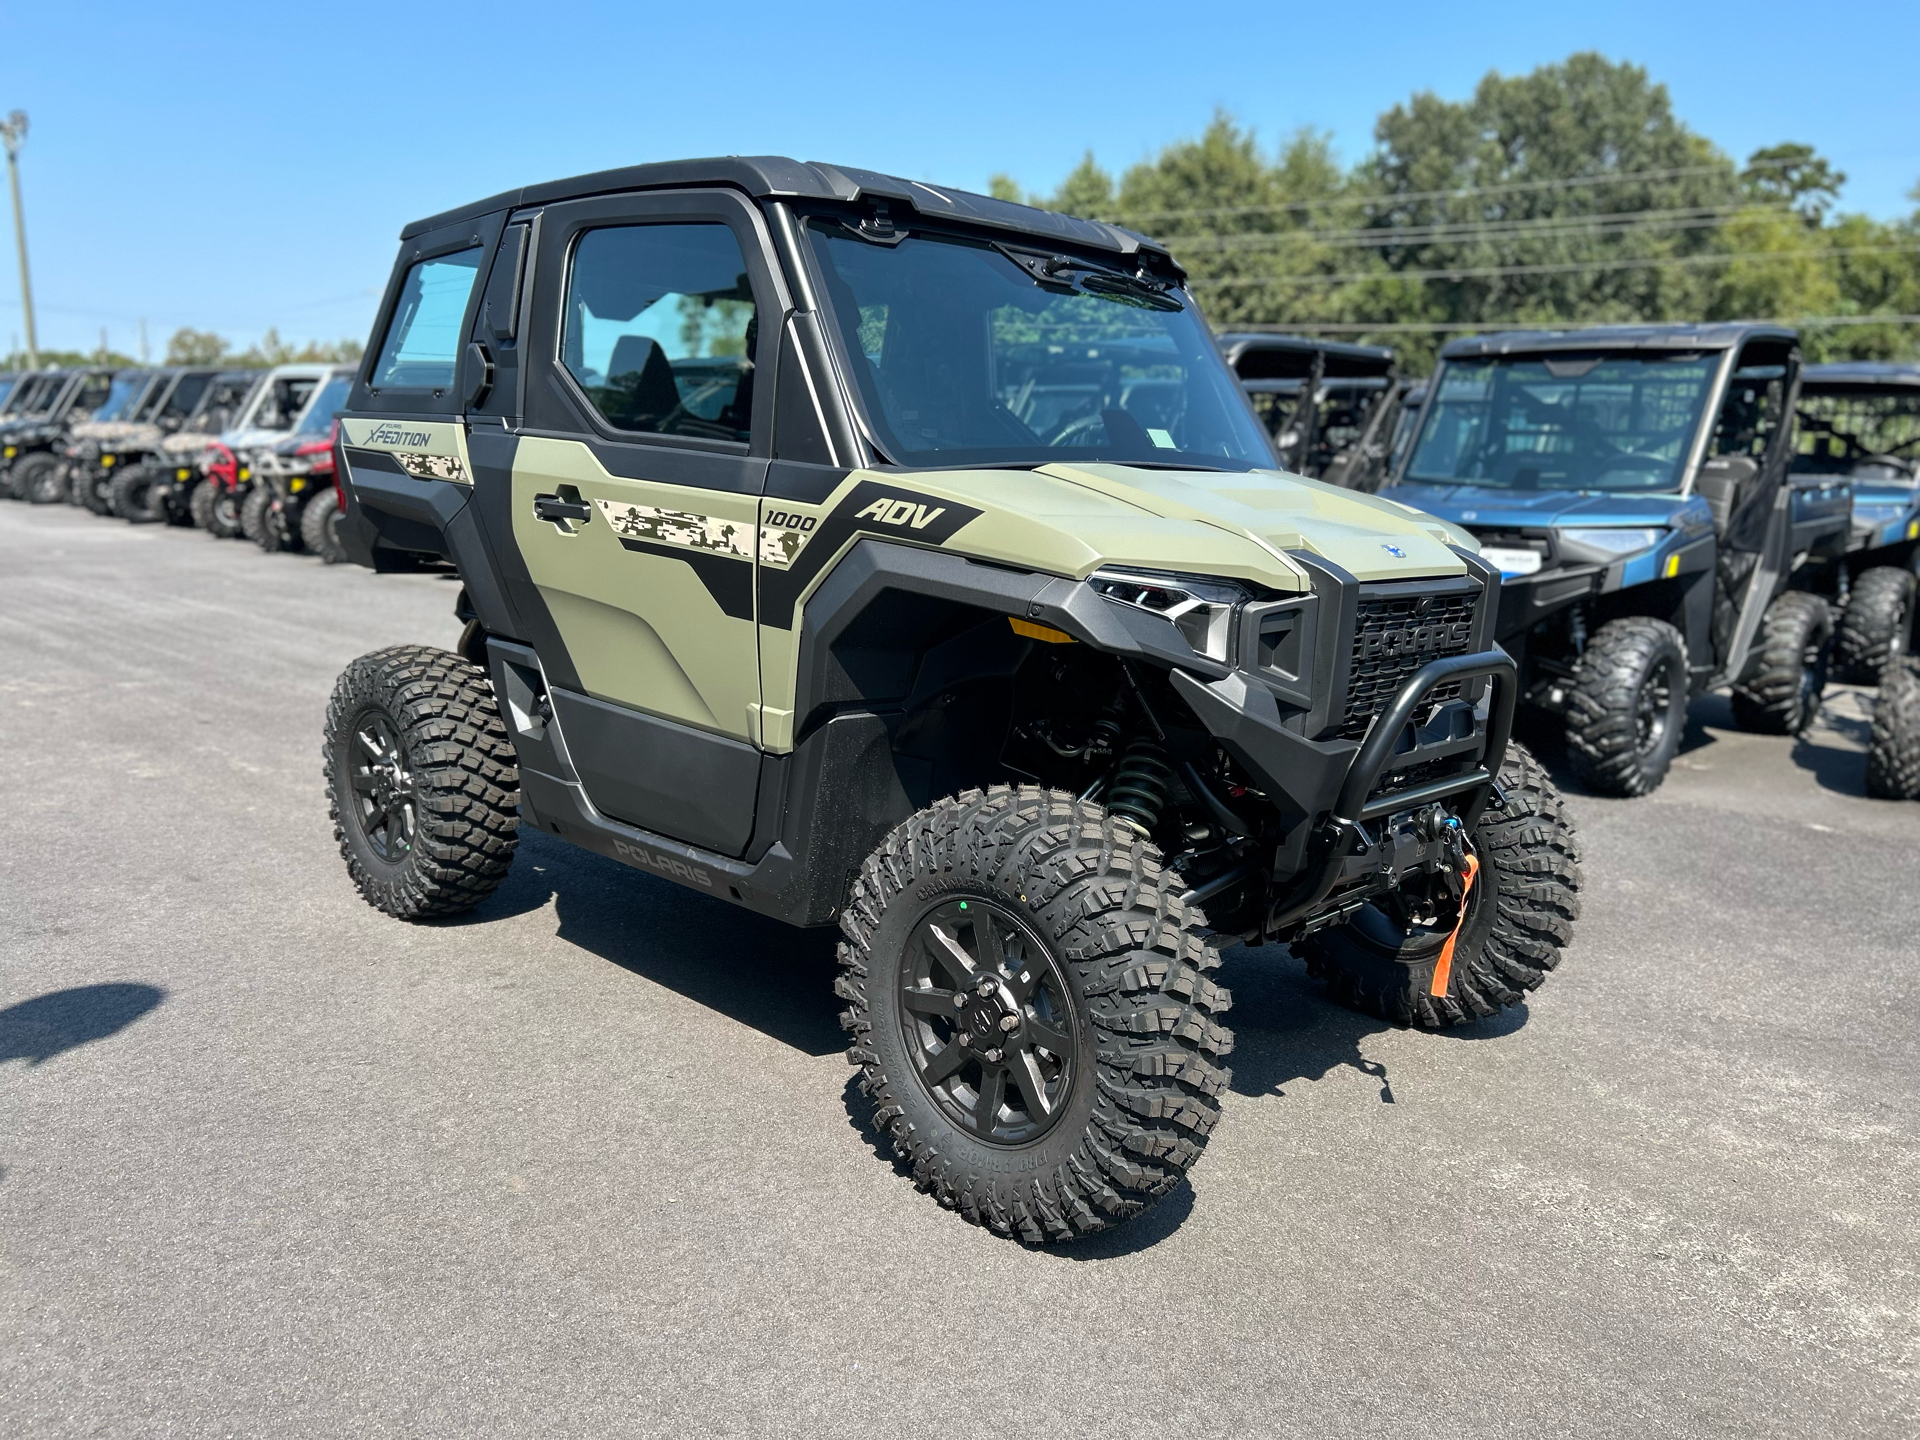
x: 1623, y: 222
x: 1390, y: 201
x: 1495, y: 272
x: 1431, y: 327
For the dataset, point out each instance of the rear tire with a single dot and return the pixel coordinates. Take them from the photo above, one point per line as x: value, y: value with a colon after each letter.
x: 1893, y: 749
x: 1087, y: 957
x: 1627, y: 708
x: 138, y: 496
x: 40, y: 479
x: 422, y: 782
x: 319, y: 527
x: 1876, y: 628
x: 1520, y: 917
x: 1796, y: 642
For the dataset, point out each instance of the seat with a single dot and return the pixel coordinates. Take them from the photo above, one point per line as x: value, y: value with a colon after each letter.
x: 640, y: 392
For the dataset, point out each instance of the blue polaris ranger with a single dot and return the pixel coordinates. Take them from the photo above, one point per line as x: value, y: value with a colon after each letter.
x: 1631, y: 483
x: 1859, y: 424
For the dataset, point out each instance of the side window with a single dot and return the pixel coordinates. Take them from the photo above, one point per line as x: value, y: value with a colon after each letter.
x: 423, y: 340
x: 660, y: 329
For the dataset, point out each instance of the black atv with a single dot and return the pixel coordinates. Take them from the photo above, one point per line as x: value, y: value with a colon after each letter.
x: 33, y: 442
x: 1631, y: 484
x: 1859, y: 429
x: 163, y: 487
x: 1331, y: 407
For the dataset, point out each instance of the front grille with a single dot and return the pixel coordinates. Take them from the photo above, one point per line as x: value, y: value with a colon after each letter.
x: 1393, y: 637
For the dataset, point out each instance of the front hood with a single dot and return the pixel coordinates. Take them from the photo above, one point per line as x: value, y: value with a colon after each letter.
x: 1074, y: 519
x: 1489, y: 508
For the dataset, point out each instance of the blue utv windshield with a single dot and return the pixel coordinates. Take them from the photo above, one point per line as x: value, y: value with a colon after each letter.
x: 964, y: 357
x: 1620, y: 423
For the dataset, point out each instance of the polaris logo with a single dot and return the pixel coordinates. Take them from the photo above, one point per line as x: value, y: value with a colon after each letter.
x: 1395, y: 551
x: 888, y: 511
x: 663, y: 864
x: 394, y: 435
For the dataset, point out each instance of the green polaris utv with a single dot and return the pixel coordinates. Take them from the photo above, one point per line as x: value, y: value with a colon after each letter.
x: 875, y: 555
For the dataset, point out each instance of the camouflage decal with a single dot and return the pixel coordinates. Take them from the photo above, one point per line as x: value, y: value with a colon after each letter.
x: 780, y: 545
x: 679, y: 528
x: 422, y: 466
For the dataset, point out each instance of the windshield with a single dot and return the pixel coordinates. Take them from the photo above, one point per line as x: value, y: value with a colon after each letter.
x: 962, y: 356
x: 331, y: 400
x: 1572, y: 422
x: 1868, y: 434
x: 50, y: 391
x: 120, y: 396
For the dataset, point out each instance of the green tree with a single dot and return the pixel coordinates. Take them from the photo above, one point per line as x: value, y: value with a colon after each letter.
x: 196, y: 347
x: 1794, y: 176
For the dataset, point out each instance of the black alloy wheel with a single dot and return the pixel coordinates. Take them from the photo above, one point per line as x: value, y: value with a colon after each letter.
x: 989, y: 1025
x: 383, y: 794
x: 1653, y: 708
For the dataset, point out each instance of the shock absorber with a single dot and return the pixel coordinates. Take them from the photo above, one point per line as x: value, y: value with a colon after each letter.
x: 1138, y: 792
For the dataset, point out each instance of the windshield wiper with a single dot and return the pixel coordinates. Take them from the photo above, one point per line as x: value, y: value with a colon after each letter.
x: 1069, y: 273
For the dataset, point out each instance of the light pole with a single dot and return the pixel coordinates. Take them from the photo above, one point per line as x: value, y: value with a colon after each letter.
x: 13, y: 130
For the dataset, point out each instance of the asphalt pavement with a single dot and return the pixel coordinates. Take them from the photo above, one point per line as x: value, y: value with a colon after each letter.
x: 590, y: 1163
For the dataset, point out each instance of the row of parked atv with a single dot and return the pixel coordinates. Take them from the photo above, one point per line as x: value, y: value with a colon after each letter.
x: 238, y: 453
x: 1675, y: 509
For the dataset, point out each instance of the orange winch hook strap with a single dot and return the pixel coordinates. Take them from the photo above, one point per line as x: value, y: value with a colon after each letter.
x: 1443, y: 970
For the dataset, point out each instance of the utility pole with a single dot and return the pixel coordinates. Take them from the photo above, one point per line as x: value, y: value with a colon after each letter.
x: 13, y: 131
x: 143, y: 340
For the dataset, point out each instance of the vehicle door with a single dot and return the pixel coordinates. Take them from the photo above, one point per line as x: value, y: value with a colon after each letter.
x: 634, y: 491
x: 1743, y: 477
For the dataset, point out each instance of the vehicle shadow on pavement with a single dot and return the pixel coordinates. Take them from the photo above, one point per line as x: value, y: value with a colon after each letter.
x: 1286, y: 1029
x: 1834, y: 748
x: 770, y: 976
x: 36, y: 1030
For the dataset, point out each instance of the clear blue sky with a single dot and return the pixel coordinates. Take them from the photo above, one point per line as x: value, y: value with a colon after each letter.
x: 237, y: 166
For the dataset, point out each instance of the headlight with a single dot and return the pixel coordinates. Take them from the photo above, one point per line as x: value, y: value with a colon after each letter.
x: 10, y: 452
x: 297, y: 484
x: 106, y: 462
x: 1603, y: 543
x: 1201, y: 610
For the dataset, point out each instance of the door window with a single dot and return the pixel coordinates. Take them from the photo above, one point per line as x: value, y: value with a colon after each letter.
x: 423, y: 341
x: 660, y: 329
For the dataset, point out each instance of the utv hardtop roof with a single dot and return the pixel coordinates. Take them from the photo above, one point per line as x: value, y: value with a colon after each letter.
x: 1290, y: 357
x: 1712, y: 336
x: 1863, y: 374
x: 775, y: 177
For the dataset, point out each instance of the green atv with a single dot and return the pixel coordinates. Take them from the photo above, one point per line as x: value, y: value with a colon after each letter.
x: 892, y: 558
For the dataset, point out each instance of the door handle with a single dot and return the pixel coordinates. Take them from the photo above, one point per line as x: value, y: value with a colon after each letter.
x: 552, y: 507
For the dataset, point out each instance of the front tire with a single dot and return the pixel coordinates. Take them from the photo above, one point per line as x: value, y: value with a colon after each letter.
x: 223, y: 512
x: 40, y: 479
x: 253, y: 515
x: 1796, y: 644
x: 320, y: 526
x: 1876, y: 627
x: 1627, y: 708
x: 422, y: 782
x: 139, y: 497
x: 1077, y: 1078
x: 1893, y: 747
x: 1520, y: 915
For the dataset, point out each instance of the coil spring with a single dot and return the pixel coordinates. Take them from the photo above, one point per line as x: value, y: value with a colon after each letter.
x: 1140, y: 784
